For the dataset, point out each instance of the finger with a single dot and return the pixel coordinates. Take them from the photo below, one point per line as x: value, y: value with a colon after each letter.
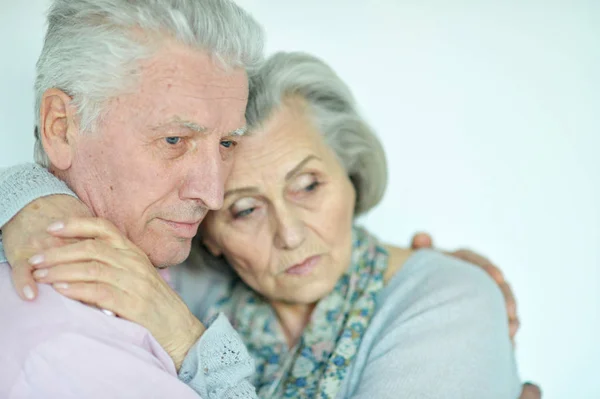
x: 513, y: 328
x: 421, y: 240
x: 88, y: 228
x: 81, y: 251
x: 531, y: 391
x: 101, y: 295
x: 56, y: 242
x: 480, y: 261
x: 23, y: 280
x: 91, y: 271
x: 509, y: 299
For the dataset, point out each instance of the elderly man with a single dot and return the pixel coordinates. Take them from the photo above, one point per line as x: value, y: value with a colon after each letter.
x: 138, y: 107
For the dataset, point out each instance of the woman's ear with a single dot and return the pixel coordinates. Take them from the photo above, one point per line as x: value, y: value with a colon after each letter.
x: 58, y: 128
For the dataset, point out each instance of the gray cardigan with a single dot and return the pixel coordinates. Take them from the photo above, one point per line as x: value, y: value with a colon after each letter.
x: 439, y: 331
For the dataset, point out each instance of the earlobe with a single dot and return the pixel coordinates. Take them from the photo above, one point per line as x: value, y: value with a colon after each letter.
x: 58, y: 128
x: 212, y: 247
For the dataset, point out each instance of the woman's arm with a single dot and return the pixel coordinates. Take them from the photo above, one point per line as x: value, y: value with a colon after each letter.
x: 31, y: 198
x: 22, y: 184
x: 216, y: 365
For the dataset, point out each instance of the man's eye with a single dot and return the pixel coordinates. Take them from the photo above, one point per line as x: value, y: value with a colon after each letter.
x: 173, y: 140
x: 228, y: 143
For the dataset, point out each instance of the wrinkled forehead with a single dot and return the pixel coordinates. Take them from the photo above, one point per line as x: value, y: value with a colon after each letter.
x: 189, y: 84
x: 269, y: 152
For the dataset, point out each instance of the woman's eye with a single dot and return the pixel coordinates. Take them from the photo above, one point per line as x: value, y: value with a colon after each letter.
x: 313, y: 186
x: 305, y: 183
x: 173, y: 140
x: 244, y: 213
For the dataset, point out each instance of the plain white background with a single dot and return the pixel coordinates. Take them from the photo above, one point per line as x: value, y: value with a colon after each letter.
x: 489, y: 113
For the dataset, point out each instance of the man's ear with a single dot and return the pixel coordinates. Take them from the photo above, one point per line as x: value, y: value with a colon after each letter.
x: 212, y: 247
x: 58, y: 128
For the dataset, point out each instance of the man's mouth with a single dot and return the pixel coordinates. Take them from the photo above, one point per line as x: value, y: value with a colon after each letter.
x: 183, y: 229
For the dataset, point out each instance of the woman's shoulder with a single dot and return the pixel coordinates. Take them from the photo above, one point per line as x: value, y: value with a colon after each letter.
x: 430, y: 276
x: 430, y: 281
x: 437, y: 319
x: 397, y: 257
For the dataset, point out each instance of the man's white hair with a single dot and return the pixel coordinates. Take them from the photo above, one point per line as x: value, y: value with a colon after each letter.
x: 92, y: 47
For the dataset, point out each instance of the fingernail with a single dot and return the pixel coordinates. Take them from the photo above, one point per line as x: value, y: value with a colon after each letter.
x: 28, y: 292
x: 36, y: 259
x: 56, y: 226
x: 41, y: 273
x: 61, y: 286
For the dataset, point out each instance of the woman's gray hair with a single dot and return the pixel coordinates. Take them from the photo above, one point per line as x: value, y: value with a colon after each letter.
x: 334, y: 112
x: 92, y: 47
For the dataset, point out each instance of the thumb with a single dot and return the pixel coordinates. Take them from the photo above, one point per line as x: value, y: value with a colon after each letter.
x: 421, y: 240
x: 23, y: 280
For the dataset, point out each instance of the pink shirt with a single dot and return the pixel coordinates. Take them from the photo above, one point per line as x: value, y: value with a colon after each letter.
x: 55, y: 347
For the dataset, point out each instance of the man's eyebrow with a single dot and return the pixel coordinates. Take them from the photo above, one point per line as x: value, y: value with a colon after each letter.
x: 242, y: 190
x: 292, y: 172
x: 177, y: 121
x: 239, y: 132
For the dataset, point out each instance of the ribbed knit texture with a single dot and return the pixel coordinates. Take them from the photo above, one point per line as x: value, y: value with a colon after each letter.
x: 21, y: 184
x: 218, y: 364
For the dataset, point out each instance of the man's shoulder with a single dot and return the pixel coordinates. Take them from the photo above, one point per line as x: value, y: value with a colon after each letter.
x: 48, y: 308
x: 25, y: 325
x: 53, y: 326
x: 32, y: 322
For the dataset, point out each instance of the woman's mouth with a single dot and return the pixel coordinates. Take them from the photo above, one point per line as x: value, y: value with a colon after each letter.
x: 304, y: 268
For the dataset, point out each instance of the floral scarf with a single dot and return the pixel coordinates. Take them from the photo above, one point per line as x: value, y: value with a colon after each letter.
x: 330, y: 341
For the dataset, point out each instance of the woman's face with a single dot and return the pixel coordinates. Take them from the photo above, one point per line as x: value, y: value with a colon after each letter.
x: 286, y: 223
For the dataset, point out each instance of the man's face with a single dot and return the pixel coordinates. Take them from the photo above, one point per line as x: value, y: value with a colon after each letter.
x: 159, y: 159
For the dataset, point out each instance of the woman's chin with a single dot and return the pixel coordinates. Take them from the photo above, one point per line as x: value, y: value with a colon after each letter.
x: 307, y: 294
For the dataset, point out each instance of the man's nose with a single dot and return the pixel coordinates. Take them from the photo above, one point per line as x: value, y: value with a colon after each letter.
x: 205, y: 177
x: 290, y: 229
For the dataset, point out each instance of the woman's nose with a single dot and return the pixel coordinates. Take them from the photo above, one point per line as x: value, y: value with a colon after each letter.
x: 290, y: 231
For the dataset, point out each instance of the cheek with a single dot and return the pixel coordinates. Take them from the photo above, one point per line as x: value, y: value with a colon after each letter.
x: 247, y: 253
x: 337, y: 213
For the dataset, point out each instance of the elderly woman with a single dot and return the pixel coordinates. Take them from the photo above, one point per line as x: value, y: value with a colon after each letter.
x: 325, y: 309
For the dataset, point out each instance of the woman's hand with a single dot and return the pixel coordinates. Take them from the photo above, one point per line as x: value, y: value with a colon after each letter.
x: 107, y: 270
x: 25, y: 235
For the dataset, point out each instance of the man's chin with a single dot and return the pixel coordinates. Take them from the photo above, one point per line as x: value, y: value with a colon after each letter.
x: 171, y: 253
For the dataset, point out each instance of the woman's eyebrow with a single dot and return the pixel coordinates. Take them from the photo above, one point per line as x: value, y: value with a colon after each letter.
x: 242, y: 190
x: 292, y: 172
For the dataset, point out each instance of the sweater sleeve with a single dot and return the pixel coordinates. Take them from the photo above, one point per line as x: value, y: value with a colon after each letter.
x: 21, y: 184
x: 218, y: 366
x: 440, y: 332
